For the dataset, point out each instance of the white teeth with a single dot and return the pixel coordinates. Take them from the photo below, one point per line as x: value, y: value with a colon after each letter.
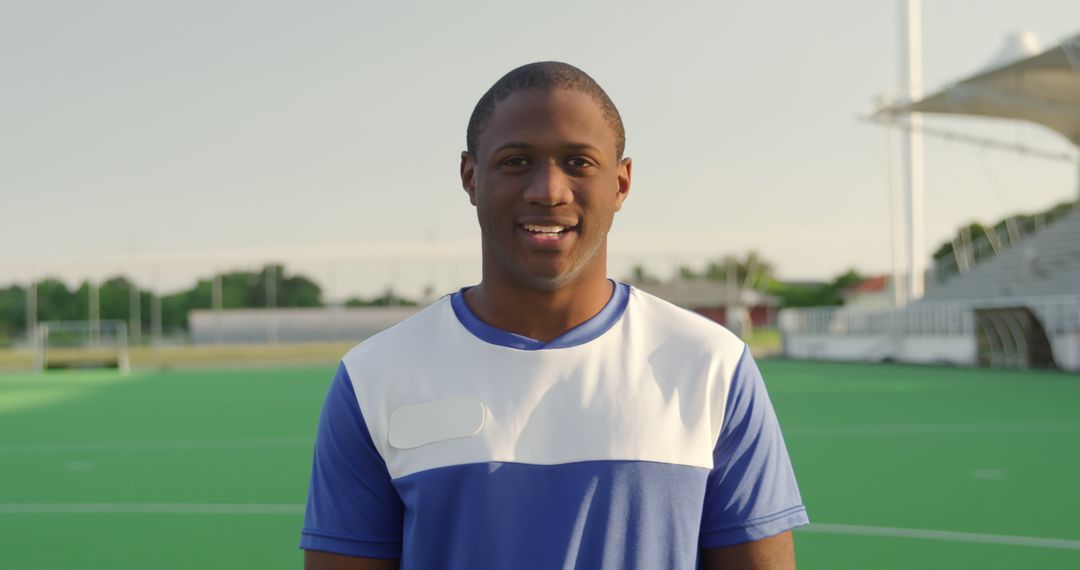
x: 544, y: 229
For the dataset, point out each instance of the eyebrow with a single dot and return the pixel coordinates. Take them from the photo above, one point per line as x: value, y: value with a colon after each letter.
x: 575, y: 146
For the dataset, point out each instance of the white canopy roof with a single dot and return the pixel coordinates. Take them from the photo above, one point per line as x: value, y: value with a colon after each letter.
x: 1043, y: 88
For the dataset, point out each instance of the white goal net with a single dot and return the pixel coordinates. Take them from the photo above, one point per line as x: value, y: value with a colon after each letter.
x: 82, y: 344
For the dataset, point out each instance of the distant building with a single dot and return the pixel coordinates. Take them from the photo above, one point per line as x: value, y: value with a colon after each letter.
x: 293, y: 325
x: 875, y: 292
x: 711, y: 299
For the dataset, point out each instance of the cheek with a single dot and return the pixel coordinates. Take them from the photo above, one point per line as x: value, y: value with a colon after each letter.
x: 494, y: 203
x: 488, y: 214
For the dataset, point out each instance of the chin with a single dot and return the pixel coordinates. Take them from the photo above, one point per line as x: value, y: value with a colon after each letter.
x: 544, y: 283
x: 548, y: 281
x: 549, y: 272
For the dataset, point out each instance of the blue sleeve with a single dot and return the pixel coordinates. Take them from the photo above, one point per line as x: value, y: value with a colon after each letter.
x: 751, y: 491
x: 352, y: 507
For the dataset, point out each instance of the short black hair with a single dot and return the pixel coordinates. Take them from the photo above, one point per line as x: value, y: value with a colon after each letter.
x: 542, y: 76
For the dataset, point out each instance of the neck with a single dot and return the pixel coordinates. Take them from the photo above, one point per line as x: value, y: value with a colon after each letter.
x: 538, y: 313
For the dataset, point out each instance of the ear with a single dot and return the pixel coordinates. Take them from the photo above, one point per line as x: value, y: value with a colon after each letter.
x: 468, y: 175
x: 623, y: 176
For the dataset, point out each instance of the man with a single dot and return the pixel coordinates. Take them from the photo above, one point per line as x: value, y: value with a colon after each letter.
x: 549, y: 417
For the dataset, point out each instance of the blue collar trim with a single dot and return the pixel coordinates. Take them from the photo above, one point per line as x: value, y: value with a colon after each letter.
x: 581, y: 334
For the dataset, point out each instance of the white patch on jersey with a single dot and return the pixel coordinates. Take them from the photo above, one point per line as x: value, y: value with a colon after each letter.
x: 421, y: 424
x: 651, y: 388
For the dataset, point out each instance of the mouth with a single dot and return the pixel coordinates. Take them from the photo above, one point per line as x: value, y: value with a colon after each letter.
x: 546, y: 229
x: 547, y: 233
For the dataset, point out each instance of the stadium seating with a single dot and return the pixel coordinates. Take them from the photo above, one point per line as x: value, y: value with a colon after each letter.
x: 1044, y: 264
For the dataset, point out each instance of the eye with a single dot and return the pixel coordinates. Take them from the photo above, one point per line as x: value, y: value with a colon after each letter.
x: 578, y: 162
x: 515, y: 162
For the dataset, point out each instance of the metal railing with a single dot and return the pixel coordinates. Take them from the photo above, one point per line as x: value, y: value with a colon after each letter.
x: 1059, y: 315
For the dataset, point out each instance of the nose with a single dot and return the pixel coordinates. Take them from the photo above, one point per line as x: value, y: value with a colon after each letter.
x: 549, y: 186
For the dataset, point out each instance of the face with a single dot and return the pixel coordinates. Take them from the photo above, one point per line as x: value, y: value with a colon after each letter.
x: 546, y: 183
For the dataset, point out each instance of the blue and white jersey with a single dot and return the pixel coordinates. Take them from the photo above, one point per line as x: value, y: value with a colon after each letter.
x: 632, y: 441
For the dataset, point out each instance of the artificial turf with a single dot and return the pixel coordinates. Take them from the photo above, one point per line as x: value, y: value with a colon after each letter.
x: 136, y: 466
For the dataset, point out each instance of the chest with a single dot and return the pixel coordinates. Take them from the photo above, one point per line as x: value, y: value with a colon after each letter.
x: 546, y: 411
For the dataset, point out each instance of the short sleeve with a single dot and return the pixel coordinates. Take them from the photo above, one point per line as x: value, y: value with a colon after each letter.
x: 751, y: 492
x: 352, y: 506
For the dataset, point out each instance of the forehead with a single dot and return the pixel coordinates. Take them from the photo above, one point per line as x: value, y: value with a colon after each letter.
x: 558, y: 117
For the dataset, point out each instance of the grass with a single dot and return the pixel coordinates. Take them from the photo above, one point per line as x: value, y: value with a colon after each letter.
x: 875, y: 447
x: 962, y: 450
x: 185, y: 355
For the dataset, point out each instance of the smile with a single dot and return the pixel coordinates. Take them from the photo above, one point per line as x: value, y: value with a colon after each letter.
x: 548, y: 230
x: 547, y: 235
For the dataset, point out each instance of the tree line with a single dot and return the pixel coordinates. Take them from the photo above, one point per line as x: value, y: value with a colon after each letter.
x: 751, y: 271
x: 121, y: 299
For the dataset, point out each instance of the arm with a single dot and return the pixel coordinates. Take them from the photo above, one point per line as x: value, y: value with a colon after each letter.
x: 319, y: 560
x: 751, y: 500
x: 773, y: 553
x: 354, y: 515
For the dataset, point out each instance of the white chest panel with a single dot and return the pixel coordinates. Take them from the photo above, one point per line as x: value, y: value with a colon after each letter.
x: 652, y: 388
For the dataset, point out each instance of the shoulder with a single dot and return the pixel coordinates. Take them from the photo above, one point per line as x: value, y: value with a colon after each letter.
x: 670, y: 324
x: 403, y: 340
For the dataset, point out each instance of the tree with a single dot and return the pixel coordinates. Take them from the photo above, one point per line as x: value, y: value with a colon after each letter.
x: 687, y: 273
x: 239, y: 289
x: 56, y: 302
x: 388, y: 299
x: 115, y: 299
x: 640, y: 275
x: 750, y: 272
x: 289, y: 291
x: 12, y: 313
x: 299, y: 291
x: 849, y: 278
x: 817, y: 294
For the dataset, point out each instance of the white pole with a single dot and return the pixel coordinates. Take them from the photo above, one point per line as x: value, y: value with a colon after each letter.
x: 912, y: 146
x: 155, y: 319
x: 31, y: 313
x: 271, y: 286
x: 896, y: 225
x: 136, y: 313
x: 216, y: 301
x: 95, y: 313
x: 40, y: 347
x: 271, y: 303
x: 155, y: 314
x: 123, y: 361
x: 218, y: 304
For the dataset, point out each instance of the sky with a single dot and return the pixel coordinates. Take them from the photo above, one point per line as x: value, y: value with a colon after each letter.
x: 170, y: 140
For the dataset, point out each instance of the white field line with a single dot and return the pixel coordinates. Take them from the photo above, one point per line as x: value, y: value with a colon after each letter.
x: 148, y: 508
x: 164, y: 445
x: 946, y: 535
x: 933, y: 429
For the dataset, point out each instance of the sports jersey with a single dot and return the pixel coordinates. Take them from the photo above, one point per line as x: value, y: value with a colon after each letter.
x: 630, y: 442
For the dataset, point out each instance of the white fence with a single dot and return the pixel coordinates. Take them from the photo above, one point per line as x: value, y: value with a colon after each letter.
x: 261, y: 326
x: 922, y: 332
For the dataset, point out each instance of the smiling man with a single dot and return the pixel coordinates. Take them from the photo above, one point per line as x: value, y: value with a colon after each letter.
x: 549, y: 417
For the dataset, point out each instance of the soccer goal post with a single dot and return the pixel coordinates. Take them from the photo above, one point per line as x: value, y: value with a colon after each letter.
x: 82, y: 344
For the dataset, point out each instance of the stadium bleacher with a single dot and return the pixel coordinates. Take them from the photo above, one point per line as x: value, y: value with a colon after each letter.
x: 1019, y: 308
x: 1046, y: 263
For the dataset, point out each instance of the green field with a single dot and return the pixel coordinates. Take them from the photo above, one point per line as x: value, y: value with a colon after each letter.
x: 900, y: 466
